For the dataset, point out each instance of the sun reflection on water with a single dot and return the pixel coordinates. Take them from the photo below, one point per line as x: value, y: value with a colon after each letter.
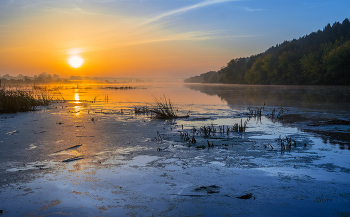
x: 77, y: 108
x: 76, y: 96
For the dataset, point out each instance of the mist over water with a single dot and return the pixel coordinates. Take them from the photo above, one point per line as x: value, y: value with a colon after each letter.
x: 325, y: 98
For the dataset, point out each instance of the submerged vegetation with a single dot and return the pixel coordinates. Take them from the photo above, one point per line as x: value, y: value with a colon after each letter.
x: 219, y: 136
x: 141, y: 110
x: 119, y: 88
x: 318, y: 58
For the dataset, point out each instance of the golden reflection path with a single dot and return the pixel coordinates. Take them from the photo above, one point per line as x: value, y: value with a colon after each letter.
x: 77, y: 107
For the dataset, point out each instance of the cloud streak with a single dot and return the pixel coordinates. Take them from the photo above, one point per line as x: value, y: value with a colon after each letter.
x: 138, y: 38
x: 185, y: 9
x: 253, y: 9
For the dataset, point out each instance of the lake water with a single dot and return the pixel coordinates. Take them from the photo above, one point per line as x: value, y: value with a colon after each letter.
x: 92, y: 155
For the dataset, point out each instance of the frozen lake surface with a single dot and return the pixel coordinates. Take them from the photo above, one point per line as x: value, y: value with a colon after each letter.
x: 93, y: 156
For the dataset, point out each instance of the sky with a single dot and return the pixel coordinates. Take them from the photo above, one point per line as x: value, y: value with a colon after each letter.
x: 150, y: 38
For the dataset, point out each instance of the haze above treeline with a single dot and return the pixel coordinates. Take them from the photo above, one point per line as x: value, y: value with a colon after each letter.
x: 46, y: 78
x: 320, y: 58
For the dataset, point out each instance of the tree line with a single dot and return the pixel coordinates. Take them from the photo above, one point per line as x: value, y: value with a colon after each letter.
x: 320, y: 58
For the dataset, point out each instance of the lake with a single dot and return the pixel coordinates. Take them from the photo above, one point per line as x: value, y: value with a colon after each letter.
x: 243, y: 151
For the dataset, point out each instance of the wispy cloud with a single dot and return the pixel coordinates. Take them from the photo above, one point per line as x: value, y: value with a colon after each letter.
x: 134, y: 38
x: 33, y: 5
x: 104, y: 1
x: 253, y: 9
x: 187, y: 36
x: 105, y: 32
x: 185, y: 9
x: 79, y: 9
x: 64, y: 7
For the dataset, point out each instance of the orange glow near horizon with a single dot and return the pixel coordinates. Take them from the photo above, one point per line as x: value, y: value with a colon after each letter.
x: 93, y: 45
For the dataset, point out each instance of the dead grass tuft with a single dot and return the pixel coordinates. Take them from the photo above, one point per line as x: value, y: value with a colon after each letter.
x: 164, y: 109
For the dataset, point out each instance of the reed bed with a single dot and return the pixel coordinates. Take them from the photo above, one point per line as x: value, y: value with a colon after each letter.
x: 16, y: 100
x: 12, y: 101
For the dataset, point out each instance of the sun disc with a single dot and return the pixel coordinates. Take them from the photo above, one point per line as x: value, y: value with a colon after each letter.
x: 75, y: 61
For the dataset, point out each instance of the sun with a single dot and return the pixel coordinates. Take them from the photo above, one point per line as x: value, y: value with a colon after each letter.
x: 75, y: 61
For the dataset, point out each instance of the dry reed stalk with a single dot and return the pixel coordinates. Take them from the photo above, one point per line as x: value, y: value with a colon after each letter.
x: 164, y: 109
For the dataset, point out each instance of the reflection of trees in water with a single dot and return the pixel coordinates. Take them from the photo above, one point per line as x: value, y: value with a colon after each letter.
x: 334, y: 138
x: 324, y: 98
x: 313, y: 97
x: 326, y: 134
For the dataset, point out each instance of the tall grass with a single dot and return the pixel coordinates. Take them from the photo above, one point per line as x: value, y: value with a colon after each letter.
x: 44, y: 99
x: 12, y: 101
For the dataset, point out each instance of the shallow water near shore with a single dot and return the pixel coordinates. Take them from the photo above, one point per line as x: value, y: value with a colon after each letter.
x: 91, y: 155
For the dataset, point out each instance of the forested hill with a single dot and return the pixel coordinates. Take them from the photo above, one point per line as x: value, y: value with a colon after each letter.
x: 322, y: 57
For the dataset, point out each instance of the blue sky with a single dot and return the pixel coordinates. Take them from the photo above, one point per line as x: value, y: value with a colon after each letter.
x: 176, y: 38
